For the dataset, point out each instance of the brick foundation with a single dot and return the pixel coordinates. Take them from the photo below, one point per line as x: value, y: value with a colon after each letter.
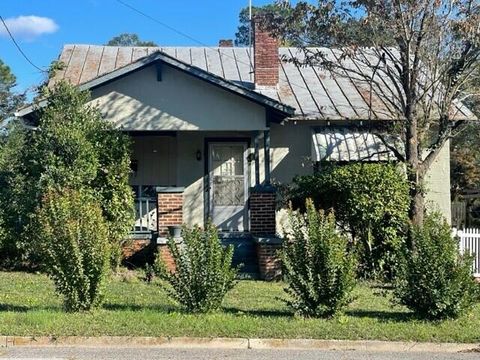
x: 136, y: 252
x: 170, y: 211
x: 269, y: 264
x: 166, y: 256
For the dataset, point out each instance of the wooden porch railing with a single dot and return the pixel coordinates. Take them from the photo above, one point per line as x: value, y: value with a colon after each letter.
x: 145, y: 217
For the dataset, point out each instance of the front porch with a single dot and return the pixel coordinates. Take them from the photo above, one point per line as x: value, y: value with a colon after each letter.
x: 193, y: 177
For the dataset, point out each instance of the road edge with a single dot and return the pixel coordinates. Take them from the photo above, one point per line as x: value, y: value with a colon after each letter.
x: 237, y: 343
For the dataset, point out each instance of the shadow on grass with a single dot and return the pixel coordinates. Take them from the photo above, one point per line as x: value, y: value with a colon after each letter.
x: 397, y: 316
x: 269, y: 313
x: 23, y: 308
x: 136, y: 307
x: 14, y: 308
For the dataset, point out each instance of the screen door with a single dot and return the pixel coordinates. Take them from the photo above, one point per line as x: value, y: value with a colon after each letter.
x: 228, y: 185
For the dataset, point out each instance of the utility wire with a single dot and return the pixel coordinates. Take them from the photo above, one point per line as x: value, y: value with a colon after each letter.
x: 198, y: 41
x: 207, y: 46
x: 161, y: 23
x: 19, y: 48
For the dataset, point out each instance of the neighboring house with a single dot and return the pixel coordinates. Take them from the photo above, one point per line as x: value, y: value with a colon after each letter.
x: 212, y: 128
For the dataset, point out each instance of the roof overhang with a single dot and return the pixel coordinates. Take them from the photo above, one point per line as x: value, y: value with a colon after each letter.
x: 278, y: 110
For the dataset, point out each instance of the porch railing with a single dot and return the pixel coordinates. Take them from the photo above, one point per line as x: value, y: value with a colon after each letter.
x: 470, y: 241
x: 145, y: 216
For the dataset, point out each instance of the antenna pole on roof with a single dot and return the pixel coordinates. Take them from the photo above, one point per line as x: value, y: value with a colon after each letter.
x: 250, y: 30
x: 250, y: 18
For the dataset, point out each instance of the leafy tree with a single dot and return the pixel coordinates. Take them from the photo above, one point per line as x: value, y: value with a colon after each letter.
x: 244, y: 31
x: 74, y: 148
x: 319, y: 268
x: 127, y: 39
x: 465, y: 149
x: 299, y: 33
x: 9, y: 101
x: 15, y: 205
x: 465, y: 160
x: 429, y: 67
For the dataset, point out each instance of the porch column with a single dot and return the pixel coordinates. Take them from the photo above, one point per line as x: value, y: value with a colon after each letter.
x: 169, y: 214
x: 169, y: 208
x: 257, y: 158
x: 266, y: 148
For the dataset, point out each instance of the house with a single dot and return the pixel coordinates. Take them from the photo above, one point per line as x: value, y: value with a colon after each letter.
x: 213, y: 128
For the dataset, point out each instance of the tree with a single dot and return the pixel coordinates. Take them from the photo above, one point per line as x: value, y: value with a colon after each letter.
x: 244, y: 30
x: 465, y: 160
x: 465, y: 150
x: 299, y: 33
x: 72, y: 147
x: 127, y: 39
x: 421, y: 77
x: 9, y: 101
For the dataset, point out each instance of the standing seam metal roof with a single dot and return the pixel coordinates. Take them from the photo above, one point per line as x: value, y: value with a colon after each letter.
x: 316, y: 93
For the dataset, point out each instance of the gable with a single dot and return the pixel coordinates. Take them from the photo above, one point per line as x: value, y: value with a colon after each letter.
x: 179, y: 101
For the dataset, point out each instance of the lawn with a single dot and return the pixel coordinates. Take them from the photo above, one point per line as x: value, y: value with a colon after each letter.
x: 29, y: 306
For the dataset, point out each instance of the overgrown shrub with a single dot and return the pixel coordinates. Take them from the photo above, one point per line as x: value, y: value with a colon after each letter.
x: 72, y: 147
x: 74, y: 244
x: 370, y: 201
x: 434, y: 279
x: 203, y: 270
x: 16, y: 206
x: 319, y: 268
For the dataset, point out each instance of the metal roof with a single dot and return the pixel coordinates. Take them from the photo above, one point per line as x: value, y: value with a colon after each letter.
x: 315, y: 92
x: 344, y: 144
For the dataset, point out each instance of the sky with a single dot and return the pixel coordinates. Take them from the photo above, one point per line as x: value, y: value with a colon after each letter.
x: 42, y: 27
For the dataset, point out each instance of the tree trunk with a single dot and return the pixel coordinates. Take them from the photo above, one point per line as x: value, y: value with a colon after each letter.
x: 414, y: 176
x: 417, y: 205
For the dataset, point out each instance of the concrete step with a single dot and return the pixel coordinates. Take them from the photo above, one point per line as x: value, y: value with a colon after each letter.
x: 244, y: 253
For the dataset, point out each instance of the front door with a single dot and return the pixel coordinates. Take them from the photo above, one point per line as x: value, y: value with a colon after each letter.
x: 228, y: 186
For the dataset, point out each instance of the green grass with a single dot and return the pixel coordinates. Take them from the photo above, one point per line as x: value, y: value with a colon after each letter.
x: 29, y: 306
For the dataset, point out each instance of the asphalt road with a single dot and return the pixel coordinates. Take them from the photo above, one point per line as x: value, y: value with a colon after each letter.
x: 144, y: 353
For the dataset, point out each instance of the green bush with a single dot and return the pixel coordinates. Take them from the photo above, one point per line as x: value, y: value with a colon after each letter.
x: 203, y: 270
x: 73, y: 239
x: 74, y: 148
x: 370, y: 201
x: 434, y: 279
x: 318, y: 266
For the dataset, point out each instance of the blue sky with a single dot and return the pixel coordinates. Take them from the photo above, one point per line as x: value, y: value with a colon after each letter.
x: 96, y: 21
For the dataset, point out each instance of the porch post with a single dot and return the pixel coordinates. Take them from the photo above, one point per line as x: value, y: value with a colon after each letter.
x: 266, y: 147
x: 257, y: 158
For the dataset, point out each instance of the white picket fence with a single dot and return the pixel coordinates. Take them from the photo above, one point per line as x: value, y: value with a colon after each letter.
x: 470, y: 241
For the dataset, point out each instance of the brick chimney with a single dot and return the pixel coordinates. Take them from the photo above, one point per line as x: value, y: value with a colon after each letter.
x: 225, y: 43
x: 266, y: 63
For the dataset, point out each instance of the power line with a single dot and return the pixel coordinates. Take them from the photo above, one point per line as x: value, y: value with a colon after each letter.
x: 192, y: 38
x: 18, y: 46
x: 161, y: 23
x: 181, y: 33
x: 205, y: 45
